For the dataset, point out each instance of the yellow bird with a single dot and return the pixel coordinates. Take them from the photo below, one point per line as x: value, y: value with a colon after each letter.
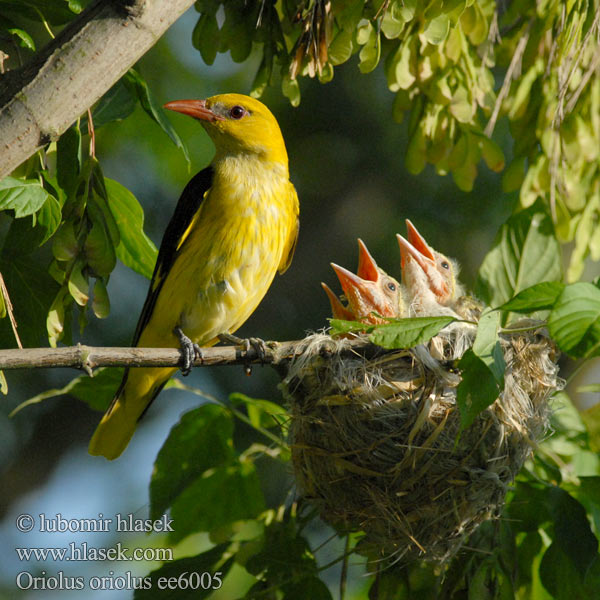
x: 235, y: 226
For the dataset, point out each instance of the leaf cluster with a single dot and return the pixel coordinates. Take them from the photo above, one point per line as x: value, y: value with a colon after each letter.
x: 246, y: 532
x: 456, y: 67
x: 59, y: 200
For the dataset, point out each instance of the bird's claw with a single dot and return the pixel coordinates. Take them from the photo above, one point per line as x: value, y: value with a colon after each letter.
x: 190, y: 351
x: 258, y: 344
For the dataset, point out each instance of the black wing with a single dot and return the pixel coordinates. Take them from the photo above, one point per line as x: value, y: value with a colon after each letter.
x: 187, y: 207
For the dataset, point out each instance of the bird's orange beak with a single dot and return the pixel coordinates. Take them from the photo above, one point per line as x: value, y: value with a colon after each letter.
x: 338, y: 310
x: 418, y: 249
x: 362, y: 295
x: 367, y: 267
x: 418, y: 241
x: 407, y: 251
x: 194, y: 108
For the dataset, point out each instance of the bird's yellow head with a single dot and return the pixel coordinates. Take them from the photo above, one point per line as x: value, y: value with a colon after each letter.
x: 237, y: 124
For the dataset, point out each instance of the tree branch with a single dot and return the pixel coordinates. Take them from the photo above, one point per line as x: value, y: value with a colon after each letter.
x: 88, y: 358
x: 40, y: 101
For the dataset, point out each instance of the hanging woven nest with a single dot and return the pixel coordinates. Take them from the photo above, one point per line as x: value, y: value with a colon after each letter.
x: 376, y: 447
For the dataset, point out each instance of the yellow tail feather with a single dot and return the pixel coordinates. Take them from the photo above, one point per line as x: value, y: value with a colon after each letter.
x: 138, y: 389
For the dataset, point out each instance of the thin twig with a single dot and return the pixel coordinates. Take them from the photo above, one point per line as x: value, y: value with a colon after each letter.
x: 236, y: 413
x: 578, y: 53
x: 344, y: 573
x: 9, y: 310
x: 516, y: 60
x: 92, y: 134
x: 88, y: 358
x: 584, y: 81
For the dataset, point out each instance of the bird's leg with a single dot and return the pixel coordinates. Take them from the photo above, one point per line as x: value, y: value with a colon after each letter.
x: 259, y: 345
x: 189, y: 349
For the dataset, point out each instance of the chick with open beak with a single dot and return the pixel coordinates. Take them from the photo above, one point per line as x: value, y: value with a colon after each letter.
x: 429, y: 277
x: 373, y: 295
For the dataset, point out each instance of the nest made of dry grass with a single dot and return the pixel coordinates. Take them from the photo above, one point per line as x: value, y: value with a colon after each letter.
x: 376, y: 447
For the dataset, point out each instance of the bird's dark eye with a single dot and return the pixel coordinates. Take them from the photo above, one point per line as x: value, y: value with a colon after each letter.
x: 445, y: 265
x: 391, y: 286
x: 237, y: 112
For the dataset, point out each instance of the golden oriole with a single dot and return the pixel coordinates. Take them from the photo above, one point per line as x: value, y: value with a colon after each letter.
x: 371, y: 293
x: 234, y: 226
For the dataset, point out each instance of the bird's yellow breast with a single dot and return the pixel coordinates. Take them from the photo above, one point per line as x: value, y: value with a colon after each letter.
x: 230, y: 253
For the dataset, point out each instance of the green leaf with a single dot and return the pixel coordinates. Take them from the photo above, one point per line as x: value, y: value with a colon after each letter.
x: 261, y: 79
x: 99, y: 198
x: 464, y: 176
x: 31, y: 291
x: 560, y: 576
x: 340, y: 326
x: 153, y: 109
x: 541, y: 296
x: 406, y: 333
x: 262, y: 413
x: 135, y: 250
x: 404, y: 65
x: 64, y: 243
x: 201, y: 440
x: 69, y: 159
x: 591, y: 418
x: 200, y: 506
x: 76, y: 6
x: 54, y: 11
x: 101, y: 302
x: 436, y: 30
x: 390, y: 584
x: 574, y: 322
x: 477, y: 390
x: 524, y: 253
x: 572, y: 530
x: 487, y: 345
x: 370, y: 52
x: 528, y: 509
x: 205, y: 37
x: 115, y: 105
x: 55, y: 320
x: 97, y: 392
x: 238, y: 29
x: 520, y: 98
x: 415, y: 152
x: 24, y: 196
x: 291, y: 89
x: 408, y: 9
x: 307, y: 587
x: 341, y: 48
x: 514, y: 175
x: 392, y: 23
x: 283, y: 538
x: 492, y: 153
x: 49, y: 217
x: 196, y: 576
x: 79, y: 284
x: 99, y: 250
x: 462, y: 106
x: 25, y: 40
